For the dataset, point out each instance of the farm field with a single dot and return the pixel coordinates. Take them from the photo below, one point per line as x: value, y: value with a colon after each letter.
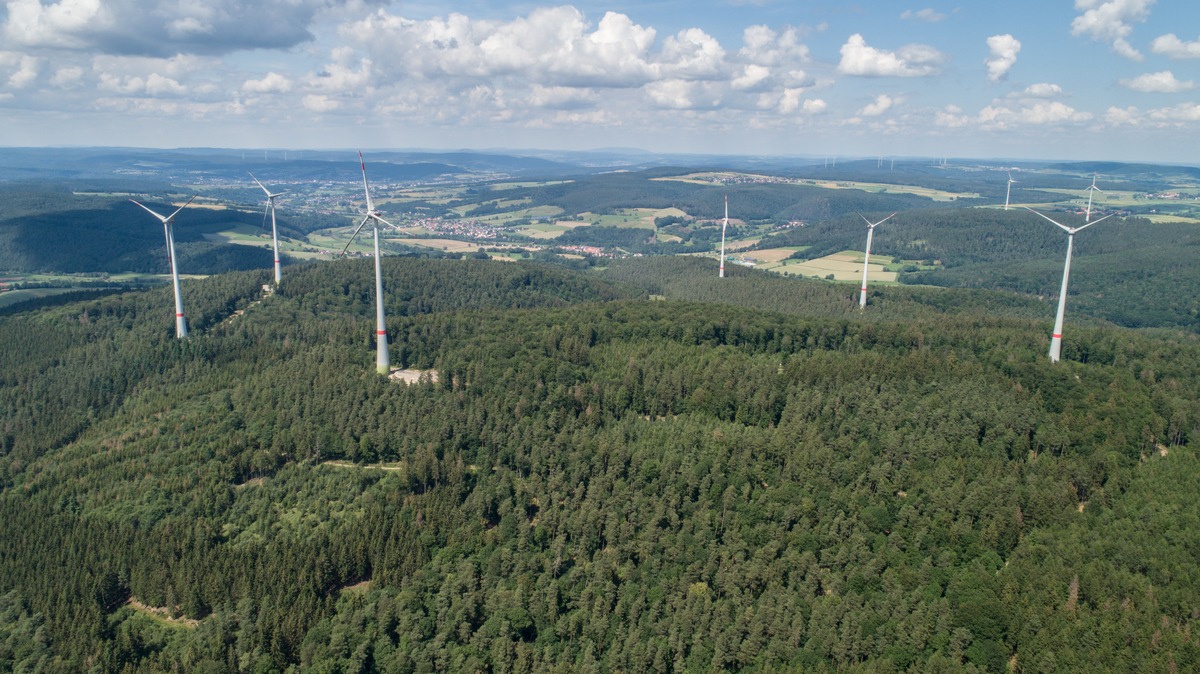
x: 548, y: 230
x: 451, y: 245
x: 844, y: 266
x: 526, y: 183
x: 630, y: 217
x: 10, y: 297
x: 448, y: 245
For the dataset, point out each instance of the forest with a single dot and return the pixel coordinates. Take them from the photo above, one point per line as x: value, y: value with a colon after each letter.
x: 52, y: 229
x: 1125, y: 270
x: 635, y: 468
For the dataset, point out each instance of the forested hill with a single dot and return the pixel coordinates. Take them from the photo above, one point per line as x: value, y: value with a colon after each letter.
x: 592, y: 482
x: 695, y: 279
x: 48, y: 229
x: 661, y: 188
x: 1125, y: 270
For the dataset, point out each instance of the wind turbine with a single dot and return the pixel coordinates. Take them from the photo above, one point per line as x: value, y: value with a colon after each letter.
x: 1056, y: 336
x: 724, y: 224
x: 1091, y: 190
x: 1009, y: 190
x: 862, y: 297
x: 382, y: 364
x: 274, y: 232
x: 181, y: 330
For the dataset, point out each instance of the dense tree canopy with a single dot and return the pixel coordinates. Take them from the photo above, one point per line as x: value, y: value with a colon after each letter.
x: 728, y: 480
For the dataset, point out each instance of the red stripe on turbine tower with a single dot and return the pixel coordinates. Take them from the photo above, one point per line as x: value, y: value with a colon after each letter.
x: 1056, y: 334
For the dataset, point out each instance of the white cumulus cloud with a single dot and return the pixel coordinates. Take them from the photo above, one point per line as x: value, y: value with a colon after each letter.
x: 319, y: 103
x: 880, y: 105
x: 859, y: 58
x: 764, y: 46
x: 553, y: 46
x: 1171, y: 46
x: 1040, y: 90
x: 951, y: 117
x: 792, y: 101
x: 1118, y: 116
x: 1110, y: 21
x: 271, y: 83
x: 161, y: 85
x: 752, y: 78
x: 692, y: 54
x: 163, y: 27
x: 672, y: 94
x: 1184, y: 112
x: 66, y: 77
x: 63, y: 24
x: 22, y: 69
x: 1002, y: 50
x: 1163, y: 82
x: 342, y: 74
x: 562, y: 98
x: 814, y: 106
x: 1037, y: 113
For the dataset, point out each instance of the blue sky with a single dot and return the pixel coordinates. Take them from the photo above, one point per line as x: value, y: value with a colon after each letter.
x: 1114, y: 80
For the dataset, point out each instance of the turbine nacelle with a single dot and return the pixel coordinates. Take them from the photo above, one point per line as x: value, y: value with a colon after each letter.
x: 168, y: 219
x: 873, y: 225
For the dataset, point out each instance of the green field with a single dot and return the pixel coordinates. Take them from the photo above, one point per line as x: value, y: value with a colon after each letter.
x: 11, y: 297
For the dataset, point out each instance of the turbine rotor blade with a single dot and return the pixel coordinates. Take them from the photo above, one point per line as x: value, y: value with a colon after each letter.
x: 263, y: 226
x: 363, y: 164
x: 1061, y: 226
x: 264, y: 189
x: 352, y: 236
x: 172, y: 216
x: 1089, y: 224
x: 160, y: 217
x: 376, y: 217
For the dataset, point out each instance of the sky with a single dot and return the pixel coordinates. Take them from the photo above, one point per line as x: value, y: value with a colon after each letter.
x: 1087, y: 80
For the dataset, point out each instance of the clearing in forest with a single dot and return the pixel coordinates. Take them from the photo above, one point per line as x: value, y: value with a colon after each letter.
x: 399, y: 465
x: 413, y: 376
x: 161, y: 615
x: 844, y: 266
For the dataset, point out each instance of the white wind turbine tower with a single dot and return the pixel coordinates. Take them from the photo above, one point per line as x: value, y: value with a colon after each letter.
x: 169, y: 230
x: 274, y: 232
x: 862, y: 297
x: 1056, y: 336
x: 1091, y: 191
x: 1009, y: 190
x: 382, y: 364
x: 724, y: 224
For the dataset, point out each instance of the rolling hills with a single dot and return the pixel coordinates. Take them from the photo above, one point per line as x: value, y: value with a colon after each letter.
x: 746, y: 476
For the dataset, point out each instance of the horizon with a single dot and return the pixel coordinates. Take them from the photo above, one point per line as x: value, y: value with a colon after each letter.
x: 536, y: 151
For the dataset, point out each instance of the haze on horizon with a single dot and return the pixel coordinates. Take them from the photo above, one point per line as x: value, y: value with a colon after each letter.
x: 1109, y: 80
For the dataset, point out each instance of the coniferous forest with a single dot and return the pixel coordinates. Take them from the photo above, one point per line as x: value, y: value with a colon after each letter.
x: 748, y: 475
